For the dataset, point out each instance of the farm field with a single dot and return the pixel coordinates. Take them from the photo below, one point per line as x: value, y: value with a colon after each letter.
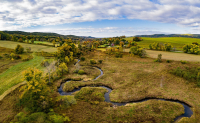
x: 167, y: 55
x: 43, y: 42
x: 34, y: 48
x: 178, y: 42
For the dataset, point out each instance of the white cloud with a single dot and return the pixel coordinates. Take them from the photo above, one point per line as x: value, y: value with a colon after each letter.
x: 27, y: 13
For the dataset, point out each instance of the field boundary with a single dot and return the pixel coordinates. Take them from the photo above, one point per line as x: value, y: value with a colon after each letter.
x: 11, y: 89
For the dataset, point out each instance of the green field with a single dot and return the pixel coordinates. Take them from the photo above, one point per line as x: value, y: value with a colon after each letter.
x: 43, y: 42
x: 13, y: 75
x: 178, y: 42
x: 34, y: 47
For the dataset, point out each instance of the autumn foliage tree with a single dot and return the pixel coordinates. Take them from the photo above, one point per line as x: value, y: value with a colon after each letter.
x: 62, y: 68
x: 35, y: 94
x: 19, y: 49
x: 69, y: 50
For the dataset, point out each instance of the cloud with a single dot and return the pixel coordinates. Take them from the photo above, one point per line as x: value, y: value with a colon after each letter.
x: 28, y: 13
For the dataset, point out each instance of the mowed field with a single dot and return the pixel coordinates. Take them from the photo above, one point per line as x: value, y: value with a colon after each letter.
x: 168, y: 55
x: 34, y: 47
x: 178, y: 42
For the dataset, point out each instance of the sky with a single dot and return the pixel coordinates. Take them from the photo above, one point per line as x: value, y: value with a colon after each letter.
x: 101, y: 18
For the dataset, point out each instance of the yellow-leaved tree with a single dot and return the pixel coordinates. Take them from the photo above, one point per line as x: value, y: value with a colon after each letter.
x: 35, y: 94
x: 62, y: 68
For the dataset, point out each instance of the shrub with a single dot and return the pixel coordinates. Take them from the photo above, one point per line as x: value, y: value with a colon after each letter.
x: 118, y: 55
x: 168, y: 47
x: 14, y: 56
x: 66, y: 101
x: 191, y: 74
x: 92, y: 61
x: 62, y: 68
x: 76, y: 71
x: 196, y: 43
x: 1, y: 57
x: 27, y: 58
x: 137, y: 50
x: 184, y: 62
x: 67, y: 59
x: 137, y: 39
x: 44, y: 63
x: 159, y: 57
x: 168, y: 61
x: 28, y: 50
x: 81, y: 72
x: 100, y: 61
x: 191, y: 48
x: 82, y: 58
x: 160, y: 46
x: 19, y: 49
x: 58, y: 118
x: 92, y: 95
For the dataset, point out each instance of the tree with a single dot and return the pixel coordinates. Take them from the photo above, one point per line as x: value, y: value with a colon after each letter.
x: 35, y: 94
x: 137, y: 39
x: 69, y: 50
x: 62, y: 68
x: 19, y: 49
x: 67, y: 59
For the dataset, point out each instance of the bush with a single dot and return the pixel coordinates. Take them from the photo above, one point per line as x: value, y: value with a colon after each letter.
x: 137, y: 50
x: 168, y: 61
x: 28, y: 50
x: 82, y: 58
x: 44, y: 63
x: 191, y: 74
x: 81, y: 72
x: 14, y: 56
x: 191, y: 48
x: 137, y: 39
x: 159, y: 57
x: 100, y: 61
x: 1, y: 57
x: 92, y: 95
x: 27, y: 58
x: 92, y: 61
x: 196, y: 43
x: 66, y: 101
x: 19, y: 49
x: 160, y: 46
x: 118, y: 55
x: 184, y: 62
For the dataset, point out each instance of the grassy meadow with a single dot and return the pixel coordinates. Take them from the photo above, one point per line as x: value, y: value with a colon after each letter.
x: 34, y: 47
x: 13, y: 75
x: 178, y: 42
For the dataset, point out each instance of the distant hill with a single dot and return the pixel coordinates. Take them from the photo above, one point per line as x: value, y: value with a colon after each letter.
x: 171, y: 35
x: 40, y: 34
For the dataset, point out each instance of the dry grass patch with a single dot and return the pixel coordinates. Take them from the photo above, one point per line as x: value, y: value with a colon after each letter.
x: 134, y: 78
x: 149, y: 111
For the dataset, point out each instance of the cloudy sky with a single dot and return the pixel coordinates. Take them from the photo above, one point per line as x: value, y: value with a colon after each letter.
x: 101, y: 18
